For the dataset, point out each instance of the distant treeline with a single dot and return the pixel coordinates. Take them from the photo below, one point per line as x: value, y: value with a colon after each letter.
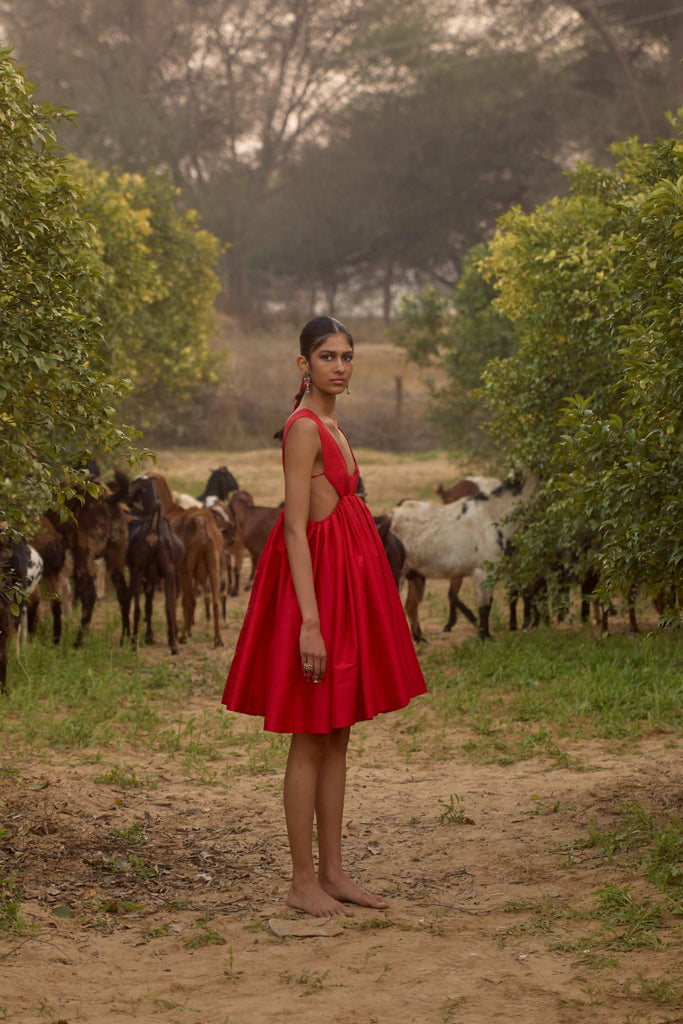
x: 345, y: 150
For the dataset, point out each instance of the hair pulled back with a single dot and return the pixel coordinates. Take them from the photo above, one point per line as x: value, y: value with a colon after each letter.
x: 316, y: 330
x: 312, y: 336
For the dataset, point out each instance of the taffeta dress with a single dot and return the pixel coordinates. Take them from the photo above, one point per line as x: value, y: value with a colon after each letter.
x: 371, y: 662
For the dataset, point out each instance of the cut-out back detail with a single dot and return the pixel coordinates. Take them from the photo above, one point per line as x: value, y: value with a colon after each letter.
x: 334, y: 463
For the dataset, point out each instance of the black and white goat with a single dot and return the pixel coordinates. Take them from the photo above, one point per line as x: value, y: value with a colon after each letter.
x: 459, y: 539
x: 20, y: 570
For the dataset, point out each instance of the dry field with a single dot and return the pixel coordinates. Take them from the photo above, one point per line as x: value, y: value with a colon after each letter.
x: 152, y: 865
x: 258, y: 378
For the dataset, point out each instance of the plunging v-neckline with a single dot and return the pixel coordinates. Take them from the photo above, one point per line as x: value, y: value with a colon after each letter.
x: 349, y: 472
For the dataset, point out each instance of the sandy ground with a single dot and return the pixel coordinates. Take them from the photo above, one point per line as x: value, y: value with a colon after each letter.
x: 177, y: 928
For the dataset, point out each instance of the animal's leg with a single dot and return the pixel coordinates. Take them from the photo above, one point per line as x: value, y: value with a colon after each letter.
x: 513, y: 610
x: 455, y: 605
x: 171, y: 618
x: 135, y: 587
x: 149, y: 606
x: 32, y: 612
x: 123, y: 597
x: 416, y: 589
x: 484, y: 602
x: 214, y: 582
x: 632, y: 620
x: 5, y: 621
x: 85, y: 588
x: 56, y: 606
x: 235, y: 570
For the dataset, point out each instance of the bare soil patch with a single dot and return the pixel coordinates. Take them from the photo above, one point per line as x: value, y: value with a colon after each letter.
x: 175, y: 928
x: 151, y: 902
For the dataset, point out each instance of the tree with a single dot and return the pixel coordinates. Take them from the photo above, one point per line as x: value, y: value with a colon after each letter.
x: 158, y: 288
x: 627, y: 55
x: 220, y: 92
x: 56, y: 400
x: 457, y: 333
x: 591, y: 396
x: 410, y: 181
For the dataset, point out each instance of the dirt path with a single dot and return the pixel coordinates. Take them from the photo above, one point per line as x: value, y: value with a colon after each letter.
x: 152, y: 901
x: 175, y: 928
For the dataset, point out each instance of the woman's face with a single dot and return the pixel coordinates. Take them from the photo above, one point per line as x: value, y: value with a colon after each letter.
x: 331, y: 364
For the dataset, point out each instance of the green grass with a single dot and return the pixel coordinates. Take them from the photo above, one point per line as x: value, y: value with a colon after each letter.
x: 567, y: 680
x: 651, y: 841
x: 522, y: 695
x: 65, y: 698
x: 11, y: 915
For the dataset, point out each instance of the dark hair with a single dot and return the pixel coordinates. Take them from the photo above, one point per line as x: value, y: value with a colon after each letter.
x: 312, y: 336
x: 316, y: 330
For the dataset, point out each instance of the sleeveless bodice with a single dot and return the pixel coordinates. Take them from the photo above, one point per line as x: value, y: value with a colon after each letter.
x: 371, y: 661
x: 334, y: 463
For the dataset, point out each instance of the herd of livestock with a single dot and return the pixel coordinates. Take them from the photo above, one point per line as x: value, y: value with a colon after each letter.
x: 147, y: 538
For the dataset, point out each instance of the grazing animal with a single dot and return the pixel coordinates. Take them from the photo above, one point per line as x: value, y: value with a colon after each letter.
x: 393, y: 547
x: 97, y: 529
x: 56, y: 580
x: 467, y: 487
x: 14, y: 568
x: 202, y: 543
x: 220, y: 485
x: 153, y: 556
x: 457, y: 540
x: 232, y: 554
x: 253, y: 524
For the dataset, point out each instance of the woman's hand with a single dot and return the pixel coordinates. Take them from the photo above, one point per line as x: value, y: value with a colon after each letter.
x: 313, y: 653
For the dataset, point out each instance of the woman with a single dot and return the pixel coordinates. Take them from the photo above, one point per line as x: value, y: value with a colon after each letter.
x: 324, y: 642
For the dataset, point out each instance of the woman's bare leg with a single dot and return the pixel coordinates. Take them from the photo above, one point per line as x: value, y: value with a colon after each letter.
x: 329, y: 812
x: 306, y: 754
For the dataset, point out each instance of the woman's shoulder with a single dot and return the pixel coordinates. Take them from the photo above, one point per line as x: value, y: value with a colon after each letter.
x: 303, y: 424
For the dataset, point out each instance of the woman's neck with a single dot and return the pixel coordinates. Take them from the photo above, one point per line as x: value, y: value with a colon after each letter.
x: 322, y: 405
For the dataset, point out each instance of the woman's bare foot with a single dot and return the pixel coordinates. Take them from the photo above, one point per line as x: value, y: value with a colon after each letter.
x: 342, y: 888
x: 312, y: 899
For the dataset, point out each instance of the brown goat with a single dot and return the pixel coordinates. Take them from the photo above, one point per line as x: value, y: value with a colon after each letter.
x: 232, y: 554
x: 201, y: 538
x: 98, y: 528
x: 57, y: 569
x: 253, y: 524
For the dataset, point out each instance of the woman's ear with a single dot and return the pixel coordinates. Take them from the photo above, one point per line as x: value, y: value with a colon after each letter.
x: 302, y: 363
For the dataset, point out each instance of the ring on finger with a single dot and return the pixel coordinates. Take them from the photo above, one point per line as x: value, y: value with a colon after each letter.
x: 317, y: 679
x: 307, y: 667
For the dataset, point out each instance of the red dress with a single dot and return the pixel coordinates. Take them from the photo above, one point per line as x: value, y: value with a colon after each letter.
x: 371, y: 661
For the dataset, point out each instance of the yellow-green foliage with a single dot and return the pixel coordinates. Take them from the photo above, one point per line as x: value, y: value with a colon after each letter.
x: 592, y: 394
x: 158, y: 287
x: 56, y: 400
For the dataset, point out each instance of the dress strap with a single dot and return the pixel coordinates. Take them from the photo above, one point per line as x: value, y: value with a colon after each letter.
x: 297, y: 415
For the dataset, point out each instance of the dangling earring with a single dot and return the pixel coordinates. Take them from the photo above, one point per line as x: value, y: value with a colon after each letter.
x: 348, y: 390
x: 306, y: 382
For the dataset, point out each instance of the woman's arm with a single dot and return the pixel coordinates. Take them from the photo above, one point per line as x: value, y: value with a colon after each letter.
x: 301, y: 450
